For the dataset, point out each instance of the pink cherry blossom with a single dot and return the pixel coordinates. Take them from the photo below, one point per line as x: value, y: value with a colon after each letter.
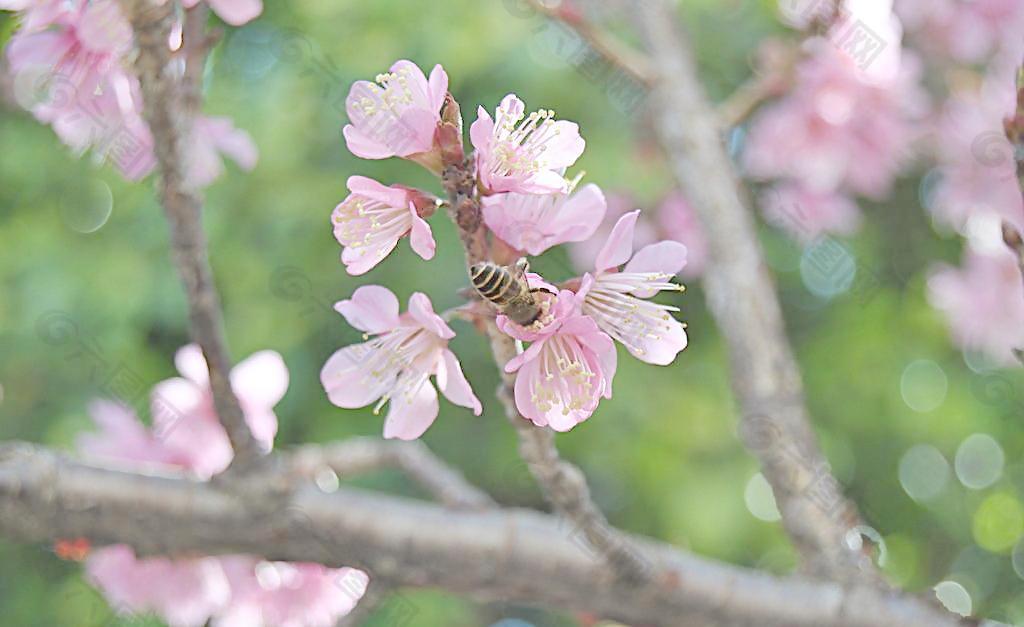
x: 523, y: 153
x: 183, y: 592
x: 615, y: 300
x: 396, y: 364
x: 209, y: 139
x: 806, y: 213
x: 678, y: 221
x: 534, y: 223
x: 836, y: 129
x: 976, y: 160
x: 234, y: 12
x: 397, y: 114
x: 122, y: 438
x: 967, y: 31
x: 569, y: 365
x: 185, y: 419
x: 371, y: 220
x: 285, y: 594
x: 983, y: 303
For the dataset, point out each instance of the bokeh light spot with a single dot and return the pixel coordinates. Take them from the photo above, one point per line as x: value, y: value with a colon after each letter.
x: 923, y: 385
x: 86, y: 205
x: 979, y: 461
x: 998, y: 523
x: 923, y: 472
x: 827, y: 268
x: 760, y: 499
x: 954, y: 597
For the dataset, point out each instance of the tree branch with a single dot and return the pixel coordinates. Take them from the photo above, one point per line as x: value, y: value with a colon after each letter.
x: 361, y: 455
x: 508, y: 555
x: 170, y: 103
x: 765, y: 376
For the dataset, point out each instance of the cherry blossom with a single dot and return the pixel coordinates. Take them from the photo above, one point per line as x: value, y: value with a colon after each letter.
x: 837, y: 129
x: 807, y: 213
x: 534, y: 223
x: 397, y: 115
x: 210, y: 138
x: 185, y: 419
x: 523, y: 153
x: 983, y: 303
x: 371, y: 220
x: 230, y: 591
x: 615, y: 300
x: 285, y: 594
x: 395, y: 365
x: 569, y: 366
x: 966, y: 31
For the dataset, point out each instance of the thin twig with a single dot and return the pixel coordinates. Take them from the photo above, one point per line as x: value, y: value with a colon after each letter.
x: 170, y: 105
x: 630, y: 61
x: 765, y: 376
x: 361, y: 455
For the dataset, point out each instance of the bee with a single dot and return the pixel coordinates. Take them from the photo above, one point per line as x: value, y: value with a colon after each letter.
x: 506, y: 288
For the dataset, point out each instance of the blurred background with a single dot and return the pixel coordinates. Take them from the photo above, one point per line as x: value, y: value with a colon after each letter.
x: 927, y: 438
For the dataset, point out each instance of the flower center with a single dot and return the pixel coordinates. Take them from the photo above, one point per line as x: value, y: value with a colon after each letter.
x: 565, y: 377
x: 520, y: 141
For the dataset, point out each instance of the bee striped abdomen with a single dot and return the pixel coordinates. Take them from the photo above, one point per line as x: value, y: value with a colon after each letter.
x: 511, y: 295
x: 494, y: 283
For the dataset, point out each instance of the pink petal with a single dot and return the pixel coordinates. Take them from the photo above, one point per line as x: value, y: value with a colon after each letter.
x: 581, y: 214
x: 372, y: 308
x: 374, y: 190
x: 172, y: 400
x: 408, y: 418
x: 526, y: 379
x: 416, y: 83
x: 666, y: 257
x: 359, y: 261
x: 347, y: 384
x: 237, y: 144
x: 529, y: 354
x: 261, y: 379
x: 362, y: 145
x: 421, y: 309
x: 453, y: 384
x: 421, y: 238
x: 662, y: 351
x: 566, y: 147
x: 438, y: 87
x: 617, y: 250
x: 481, y: 131
x: 237, y: 12
x: 192, y: 364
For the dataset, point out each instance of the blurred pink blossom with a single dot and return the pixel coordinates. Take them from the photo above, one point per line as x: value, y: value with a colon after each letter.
x: 805, y: 214
x: 836, y: 129
x: 534, y: 223
x: 184, y: 592
x: 967, y: 30
x: 184, y: 417
x: 234, y: 12
x: 371, y: 220
x: 976, y: 160
x: 678, y: 221
x: 568, y: 367
x: 614, y: 299
x: 523, y: 153
x: 395, y: 365
x: 285, y: 594
x: 230, y: 591
x: 983, y: 303
x: 397, y: 115
x: 210, y: 138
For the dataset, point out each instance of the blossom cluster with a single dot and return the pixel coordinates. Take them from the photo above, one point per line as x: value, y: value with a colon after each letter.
x: 186, y: 437
x: 527, y: 204
x: 70, y: 67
